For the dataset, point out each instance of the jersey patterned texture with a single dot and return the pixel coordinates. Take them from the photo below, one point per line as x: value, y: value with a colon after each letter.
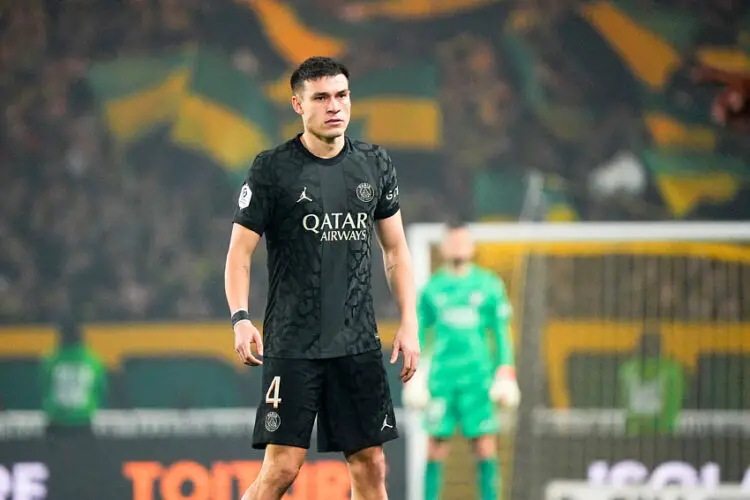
x: 318, y: 217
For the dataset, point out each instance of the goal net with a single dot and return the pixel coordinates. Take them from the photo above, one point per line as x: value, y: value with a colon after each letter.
x: 633, y: 351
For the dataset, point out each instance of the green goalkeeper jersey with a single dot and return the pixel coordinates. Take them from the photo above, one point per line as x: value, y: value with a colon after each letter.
x: 458, y: 315
x: 75, y: 384
x: 652, y: 390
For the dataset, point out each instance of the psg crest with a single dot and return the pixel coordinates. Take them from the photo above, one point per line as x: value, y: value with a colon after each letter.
x: 273, y: 421
x: 365, y: 193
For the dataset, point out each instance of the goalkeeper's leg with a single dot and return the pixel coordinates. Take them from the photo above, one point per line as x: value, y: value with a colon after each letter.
x: 440, y: 422
x: 488, y: 469
x: 437, y: 452
x: 479, y: 424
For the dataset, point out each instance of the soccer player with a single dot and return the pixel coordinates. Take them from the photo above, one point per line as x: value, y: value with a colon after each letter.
x: 459, y: 306
x: 652, y: 387
x: 318, y: 198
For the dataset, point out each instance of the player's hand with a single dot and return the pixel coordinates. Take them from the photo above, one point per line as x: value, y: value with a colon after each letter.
x: 505, y: 389
x: 416, y: 394
x: 245, y: 335
x: 406, y: 341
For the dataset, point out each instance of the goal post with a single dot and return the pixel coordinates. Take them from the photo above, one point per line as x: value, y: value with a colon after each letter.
x: 715, y: 241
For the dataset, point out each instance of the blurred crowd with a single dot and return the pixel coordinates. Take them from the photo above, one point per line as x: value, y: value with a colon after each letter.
x: 144, y: 237
x: 631, y: 288
x: 80, y: 227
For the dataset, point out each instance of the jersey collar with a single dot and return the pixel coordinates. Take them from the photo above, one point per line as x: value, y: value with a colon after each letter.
x: 322, y: 161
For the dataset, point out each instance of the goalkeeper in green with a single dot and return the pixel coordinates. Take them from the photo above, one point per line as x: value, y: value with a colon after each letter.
x: 461, y: 377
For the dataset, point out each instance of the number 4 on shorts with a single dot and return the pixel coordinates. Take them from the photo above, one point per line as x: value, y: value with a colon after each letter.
x: 272, y: 396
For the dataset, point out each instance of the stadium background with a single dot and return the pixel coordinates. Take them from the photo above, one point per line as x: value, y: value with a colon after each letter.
x: 128, y: 125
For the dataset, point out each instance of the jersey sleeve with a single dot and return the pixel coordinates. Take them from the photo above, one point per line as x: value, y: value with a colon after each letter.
x: 388, y: 203
x: 500, y: 313
x: 255, y: 201
x: 426, y: 318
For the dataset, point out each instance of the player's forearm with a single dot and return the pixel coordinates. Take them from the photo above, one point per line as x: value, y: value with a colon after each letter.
x: 505, y: 355
x: 237, y: 279
x: 398, y: 273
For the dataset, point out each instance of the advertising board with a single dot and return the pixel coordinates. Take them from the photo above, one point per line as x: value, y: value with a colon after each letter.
x: 207, y: 468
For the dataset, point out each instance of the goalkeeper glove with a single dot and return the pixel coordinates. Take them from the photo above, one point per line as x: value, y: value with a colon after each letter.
x: 504, y: 388
x: 416, y: 394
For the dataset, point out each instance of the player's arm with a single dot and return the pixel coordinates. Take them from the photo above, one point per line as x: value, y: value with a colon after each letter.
x: 398, y: 265
x: 251, y: 217
x: 426, y: 318
x: 242, y: 244
x: 501, y: 315
x: 416, y: 394
x: 389, y: 228
x: 504, y: 388
x: 398, y: 273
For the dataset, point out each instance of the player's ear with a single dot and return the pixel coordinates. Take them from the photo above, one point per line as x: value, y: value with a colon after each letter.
x: 297, y: 104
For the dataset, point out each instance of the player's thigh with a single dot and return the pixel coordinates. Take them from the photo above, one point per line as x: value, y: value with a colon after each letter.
x: 476, y: 411
x: 290, y: 398
x: 357, y: 410
x: 441, y: 416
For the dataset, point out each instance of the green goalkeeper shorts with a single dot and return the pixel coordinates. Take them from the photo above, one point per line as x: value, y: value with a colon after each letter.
x: 464, y: 405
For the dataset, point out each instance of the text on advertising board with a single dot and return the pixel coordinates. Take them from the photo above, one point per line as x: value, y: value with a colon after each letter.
x: 23, y: 481
x: 188, y: 480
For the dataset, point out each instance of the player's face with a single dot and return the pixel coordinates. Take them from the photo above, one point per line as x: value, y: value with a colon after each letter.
x: 324, y: 106
x: 458, y: 246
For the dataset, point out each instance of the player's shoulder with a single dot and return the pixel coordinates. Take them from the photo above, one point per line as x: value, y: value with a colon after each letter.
x: 369, y: 151
x: 488, y: 277
x: 270, y: 163
x: 280, y: 152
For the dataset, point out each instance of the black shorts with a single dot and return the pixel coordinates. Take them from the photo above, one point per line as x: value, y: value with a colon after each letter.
x: 350, y: 396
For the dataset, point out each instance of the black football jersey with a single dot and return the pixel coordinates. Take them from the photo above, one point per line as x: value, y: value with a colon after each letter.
x: 318, y: 218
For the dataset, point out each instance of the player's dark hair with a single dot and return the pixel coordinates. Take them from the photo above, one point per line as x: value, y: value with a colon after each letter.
x: 456, y: 223
x: 650, y: 344
x: 69, y: 330
x: 315, y: 68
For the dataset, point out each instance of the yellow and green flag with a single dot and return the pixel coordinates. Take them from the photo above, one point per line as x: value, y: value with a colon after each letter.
x: 641, y: 42
x: 398, y: 107
x: 291, y: 37
x: 207, y: 105
x: 139, y: 94
x: 224, y: 114
x: 688, y: 179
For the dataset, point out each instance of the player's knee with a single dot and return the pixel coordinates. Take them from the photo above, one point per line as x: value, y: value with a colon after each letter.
x: 437, y: 449
x: 368, y: 466
x: 281, y: 466
x: 281, y: 476
x: 485, y: 447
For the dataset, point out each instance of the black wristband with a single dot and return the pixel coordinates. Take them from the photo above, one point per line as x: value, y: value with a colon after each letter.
x: 239, y: 316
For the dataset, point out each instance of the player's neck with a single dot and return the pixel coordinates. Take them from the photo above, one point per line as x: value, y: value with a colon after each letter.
x: 320, y: 147
x: 461, y: 269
